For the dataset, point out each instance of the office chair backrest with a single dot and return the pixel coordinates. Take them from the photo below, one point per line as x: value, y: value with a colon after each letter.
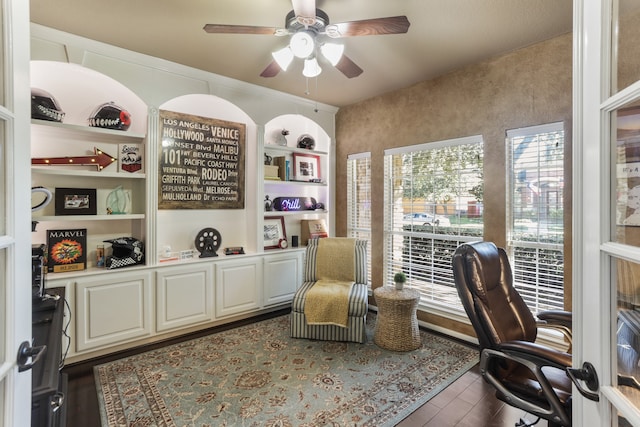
x: 484, y: 281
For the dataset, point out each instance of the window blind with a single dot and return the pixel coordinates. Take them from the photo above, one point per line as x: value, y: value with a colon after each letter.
x: 535, y: 214
x: 359, y: 201
x: 433, y: 203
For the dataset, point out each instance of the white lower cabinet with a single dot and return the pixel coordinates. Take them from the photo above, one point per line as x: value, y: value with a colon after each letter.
x: 184, y: 296
x: 282, y: 276
x: 131, y: 307
x: 238, y: 286
x: 112, y: 308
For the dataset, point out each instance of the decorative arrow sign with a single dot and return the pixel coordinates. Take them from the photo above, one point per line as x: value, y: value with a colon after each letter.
x: 100, y: 159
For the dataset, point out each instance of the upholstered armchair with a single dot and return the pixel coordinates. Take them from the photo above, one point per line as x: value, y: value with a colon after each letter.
x: 332, y: 302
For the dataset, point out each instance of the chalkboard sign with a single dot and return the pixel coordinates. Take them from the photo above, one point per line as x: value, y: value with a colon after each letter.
x: 201, y: 163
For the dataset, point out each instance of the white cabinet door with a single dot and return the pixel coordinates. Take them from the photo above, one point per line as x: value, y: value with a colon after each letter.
x: 184, y: 296
x: 238, y: 286
x: 282, y: 276
x: 112, y: 308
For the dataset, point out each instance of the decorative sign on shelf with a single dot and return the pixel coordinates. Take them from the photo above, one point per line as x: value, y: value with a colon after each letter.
x: 130, y: 158
x: 294, y: 203
x: 201, y: 163
x: 99, y: 159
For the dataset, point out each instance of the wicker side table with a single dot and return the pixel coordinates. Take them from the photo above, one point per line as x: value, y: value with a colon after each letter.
x: 397, y: 325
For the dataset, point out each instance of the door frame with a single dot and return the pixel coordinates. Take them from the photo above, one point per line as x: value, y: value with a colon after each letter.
x: 594, y: 289
x: 15, y: 239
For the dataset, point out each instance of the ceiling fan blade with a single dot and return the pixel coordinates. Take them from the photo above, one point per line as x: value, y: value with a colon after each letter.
x: 305, y: 11
x: 240, y: 29
x: 348, y: 67
x: 369, y: 27
x: 271, y: 71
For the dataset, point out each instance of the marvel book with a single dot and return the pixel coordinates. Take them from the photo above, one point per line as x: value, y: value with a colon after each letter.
x: 66, y: 250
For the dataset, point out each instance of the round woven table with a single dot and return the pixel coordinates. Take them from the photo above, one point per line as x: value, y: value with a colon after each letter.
x: 397, y: 325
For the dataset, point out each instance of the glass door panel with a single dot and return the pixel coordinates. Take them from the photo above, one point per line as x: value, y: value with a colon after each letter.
x: 625, y: 192
x: 3, y: 180
x: 626, y: 32
x: 623, y: 324
x: 627, y: 334
x: 3, y: 303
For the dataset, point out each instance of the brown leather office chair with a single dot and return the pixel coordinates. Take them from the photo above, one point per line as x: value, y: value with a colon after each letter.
x: 526, y: 375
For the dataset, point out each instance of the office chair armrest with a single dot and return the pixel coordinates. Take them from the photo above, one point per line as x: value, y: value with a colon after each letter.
x: 556, y: 317
x: 540, y: 354
x: 558, y: 320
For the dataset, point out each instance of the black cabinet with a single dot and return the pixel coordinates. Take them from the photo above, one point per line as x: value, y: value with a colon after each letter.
x: 48, y: 383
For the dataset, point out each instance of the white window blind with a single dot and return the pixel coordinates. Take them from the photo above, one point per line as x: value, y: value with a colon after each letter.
x: 359, y: 200
x: 535, y: 203
x: 433, y: 203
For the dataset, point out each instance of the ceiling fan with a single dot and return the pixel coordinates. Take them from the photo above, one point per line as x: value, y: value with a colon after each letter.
x: 311, y: 32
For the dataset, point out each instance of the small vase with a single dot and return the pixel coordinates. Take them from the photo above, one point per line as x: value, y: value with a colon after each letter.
x: 399, y: 285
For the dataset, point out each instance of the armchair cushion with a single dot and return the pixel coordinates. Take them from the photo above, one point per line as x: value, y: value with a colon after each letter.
x: 310, y: 263
x: 327, y: 302
x: 358, y: 301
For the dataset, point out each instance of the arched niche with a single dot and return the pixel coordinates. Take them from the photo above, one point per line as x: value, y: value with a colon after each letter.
x: 237, y: 227
x: 79, y: 91
x: 297, y: 125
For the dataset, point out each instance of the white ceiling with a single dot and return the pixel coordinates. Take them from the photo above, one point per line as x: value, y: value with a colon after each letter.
x: 444, y: 35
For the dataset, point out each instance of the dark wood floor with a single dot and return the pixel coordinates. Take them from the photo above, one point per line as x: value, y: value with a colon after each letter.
x: 469, y: 401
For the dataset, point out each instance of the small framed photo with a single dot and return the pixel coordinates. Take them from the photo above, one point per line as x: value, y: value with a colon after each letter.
x: 274, y: 232
x: 306, y: 167
x: 75, y: 201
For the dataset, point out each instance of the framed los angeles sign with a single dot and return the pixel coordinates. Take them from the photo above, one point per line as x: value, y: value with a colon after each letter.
x: 201, y: 163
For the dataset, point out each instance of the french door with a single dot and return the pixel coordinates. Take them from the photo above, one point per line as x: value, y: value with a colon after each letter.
x: 606, y: 298
x: 15, y: 223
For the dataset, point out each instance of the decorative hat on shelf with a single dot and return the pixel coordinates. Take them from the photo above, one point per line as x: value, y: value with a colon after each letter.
x: 126, y: 251
x: 307, y: 142
x: 110, y: 116
x: 44, y: 106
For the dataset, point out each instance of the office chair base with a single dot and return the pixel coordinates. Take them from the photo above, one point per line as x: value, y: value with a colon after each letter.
x: 526, y: 423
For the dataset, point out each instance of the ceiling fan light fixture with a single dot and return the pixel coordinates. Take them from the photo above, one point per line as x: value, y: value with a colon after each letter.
x: 332, y: 51
x: 283, y: 57
x: 302, y: 44
x: 311, y: 68
x: 307, y: 21
x: 332, y: 31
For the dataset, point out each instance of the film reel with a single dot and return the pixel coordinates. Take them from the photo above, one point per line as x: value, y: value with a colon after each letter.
x: 207, y: 242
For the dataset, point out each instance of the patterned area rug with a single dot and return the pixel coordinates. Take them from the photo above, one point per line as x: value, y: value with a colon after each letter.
x: 256, y: 375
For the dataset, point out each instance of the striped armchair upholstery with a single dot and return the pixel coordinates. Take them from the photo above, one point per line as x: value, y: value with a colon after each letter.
x: 358, y: 301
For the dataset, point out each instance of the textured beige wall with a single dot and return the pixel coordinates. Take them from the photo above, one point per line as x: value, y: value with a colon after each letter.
x: 527, y: 87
